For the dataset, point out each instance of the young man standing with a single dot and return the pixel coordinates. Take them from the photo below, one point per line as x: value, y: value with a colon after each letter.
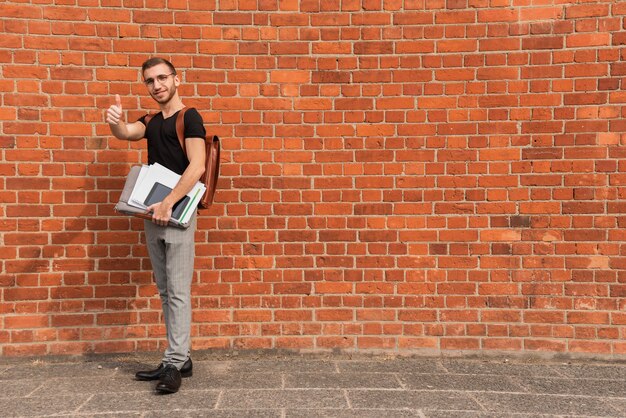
x: 171, y: 250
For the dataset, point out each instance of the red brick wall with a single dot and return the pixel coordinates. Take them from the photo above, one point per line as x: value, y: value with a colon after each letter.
x: 397, y: 174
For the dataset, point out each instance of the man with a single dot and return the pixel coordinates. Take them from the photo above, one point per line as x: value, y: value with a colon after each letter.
x: 171, y: 250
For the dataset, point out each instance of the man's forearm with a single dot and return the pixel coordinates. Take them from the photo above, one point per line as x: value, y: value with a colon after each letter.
x: 120, y: 131
x: 187, y: 181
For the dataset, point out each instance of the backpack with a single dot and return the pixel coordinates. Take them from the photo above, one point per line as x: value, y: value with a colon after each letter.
x: 212, y: 160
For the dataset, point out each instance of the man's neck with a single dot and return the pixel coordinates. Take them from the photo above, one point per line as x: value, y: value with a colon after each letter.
x: 171, y: 107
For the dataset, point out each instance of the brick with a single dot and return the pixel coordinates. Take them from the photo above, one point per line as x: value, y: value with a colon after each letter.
x: 587, y: 318
x: 290, y: 19
x: 590, y: 347
x: 495, y: 15
x: 588, y: 40
x: 547, y: 42
x: 71, y: 320
x: 586, y: 10
x: 545, y: 345
x: 22, y: 11
x: 413, y: 18
x: 64, y: 13
x: 334, y: 315
x: 448, y: 343
x: 26, y: 321
x: 155, y: 17
x: 414, y: 47
x: 499, y: 44
x: 373, y: 48
x: 466, y: 45
x: 455, y: 17
x: 326, y: 77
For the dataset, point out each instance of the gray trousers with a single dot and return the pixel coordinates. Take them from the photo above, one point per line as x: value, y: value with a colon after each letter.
x: 172, y: 252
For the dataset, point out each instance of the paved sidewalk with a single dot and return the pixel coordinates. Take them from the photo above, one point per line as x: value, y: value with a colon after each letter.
x: 302, y: 386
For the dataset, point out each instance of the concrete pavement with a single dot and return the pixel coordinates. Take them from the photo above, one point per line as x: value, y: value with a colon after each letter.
x: 307, y: 386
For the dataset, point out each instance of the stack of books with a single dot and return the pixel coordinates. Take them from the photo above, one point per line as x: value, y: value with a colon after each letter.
x: 150, y: 184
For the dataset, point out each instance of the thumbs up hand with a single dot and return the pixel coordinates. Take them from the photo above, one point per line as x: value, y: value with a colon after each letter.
x: 114, y: 112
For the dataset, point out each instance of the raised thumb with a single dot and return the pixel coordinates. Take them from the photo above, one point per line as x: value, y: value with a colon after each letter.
x: 118, y: 101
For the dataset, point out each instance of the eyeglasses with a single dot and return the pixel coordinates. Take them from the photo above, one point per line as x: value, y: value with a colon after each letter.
x: 161, y: 78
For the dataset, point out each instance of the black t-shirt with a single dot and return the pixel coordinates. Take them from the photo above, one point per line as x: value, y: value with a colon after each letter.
x: 163, y: 145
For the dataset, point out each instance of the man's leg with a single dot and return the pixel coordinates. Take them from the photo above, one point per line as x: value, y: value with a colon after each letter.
x: 180, y: 255
x: 158, y: 247
x: 155, y: 241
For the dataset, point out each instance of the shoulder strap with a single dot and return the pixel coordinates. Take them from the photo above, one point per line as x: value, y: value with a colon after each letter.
x: 180, y: 128
x: 148, y: 118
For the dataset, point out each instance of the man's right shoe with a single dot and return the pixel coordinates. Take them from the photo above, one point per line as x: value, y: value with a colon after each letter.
x: 185, y: 371
x: 170, y: 381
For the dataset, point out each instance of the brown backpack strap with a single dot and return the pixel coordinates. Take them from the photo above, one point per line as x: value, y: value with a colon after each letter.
x: 148, y: 118
x: 212, y: 173
x: 180, y: 128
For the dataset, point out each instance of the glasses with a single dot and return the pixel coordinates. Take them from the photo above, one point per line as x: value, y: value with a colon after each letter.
x: 161, y: 78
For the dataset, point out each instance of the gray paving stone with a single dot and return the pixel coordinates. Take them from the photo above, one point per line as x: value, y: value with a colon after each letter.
x: 68, y: 386
x: 286, y: 398
x: 20, y: 388
x: 546, y: 404
x: 353, y: 413
x: 590, y: 371
x: 218, y: 367
x: 47, y: 371
x: 342, y: 380
x: 462, y: 382
x: 588, y: 387
x: 413, y: 365
x: 503, y: 414
x: 278, y: 366
x: 411, y: 399
x: 103, y: 414
x: 22, y: 407
x: 201, y: 380
x: 218, y: 413
x: 619, y: 404
x: 460, y: 414
x: 497, y: 367
x: 150, y: 401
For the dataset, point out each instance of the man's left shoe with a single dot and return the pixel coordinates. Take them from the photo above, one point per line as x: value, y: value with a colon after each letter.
x: 170, y: 380
x: 185, y: 371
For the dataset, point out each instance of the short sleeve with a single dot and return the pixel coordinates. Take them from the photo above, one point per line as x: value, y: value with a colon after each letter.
x: 194, y: 125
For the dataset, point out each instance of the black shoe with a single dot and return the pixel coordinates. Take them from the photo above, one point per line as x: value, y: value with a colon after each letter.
x: 170, y: 380
x: 185, y: 371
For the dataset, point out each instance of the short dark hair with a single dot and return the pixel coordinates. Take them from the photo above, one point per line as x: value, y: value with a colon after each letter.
x: 152, y: 62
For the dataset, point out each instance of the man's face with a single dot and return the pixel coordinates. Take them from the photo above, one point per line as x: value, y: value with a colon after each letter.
x: 161, y: 83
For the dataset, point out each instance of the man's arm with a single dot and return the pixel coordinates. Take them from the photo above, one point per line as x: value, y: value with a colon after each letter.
x: 131, y: 132
x: 162, y: 212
